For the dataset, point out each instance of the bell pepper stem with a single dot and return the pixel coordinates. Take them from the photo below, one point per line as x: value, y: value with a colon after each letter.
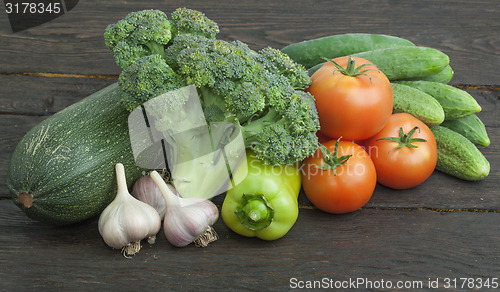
x: 255, y: 211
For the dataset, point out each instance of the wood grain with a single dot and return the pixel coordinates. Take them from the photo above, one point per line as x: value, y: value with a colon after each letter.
x: 60, y: 45
x: 417, y: 246
x: 443, y: 228
x: 40, y: 96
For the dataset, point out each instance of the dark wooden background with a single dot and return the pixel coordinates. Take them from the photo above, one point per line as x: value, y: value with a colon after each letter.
x: 445, y: 228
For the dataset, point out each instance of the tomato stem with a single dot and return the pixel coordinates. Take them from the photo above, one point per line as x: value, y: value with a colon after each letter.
x: 404, y: 140
x: 332, y: 161
x: 351, y: 69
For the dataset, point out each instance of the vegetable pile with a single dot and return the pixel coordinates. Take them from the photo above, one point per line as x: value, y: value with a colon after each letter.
x: 333, y: 116
x: 430, y: 125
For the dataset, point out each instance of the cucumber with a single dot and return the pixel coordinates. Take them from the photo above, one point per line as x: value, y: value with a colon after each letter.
x: 417, y: 103
x: 62, y: 170
x: 459, y: 157
x: 314, y: 68
x: 309, y: 53
x: 443, y: 76
x: 403, y: 63
x: 456, y: 102
x: 407, y: 62
x: 471, y: 127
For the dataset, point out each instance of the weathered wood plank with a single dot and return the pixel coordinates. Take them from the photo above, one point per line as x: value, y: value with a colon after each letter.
x: 37, y: 95
x: 390, y: 245
x: 443, y: 228
x: 464, y: 30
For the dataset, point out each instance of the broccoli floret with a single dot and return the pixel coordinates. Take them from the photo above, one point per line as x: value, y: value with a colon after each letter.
x: 261, y: 92
x: 145, y: 79
x: 192, y: 22
x: 280, y: 63
x: 148, y: 32
x: 139, y: 34
x: 284, y: 137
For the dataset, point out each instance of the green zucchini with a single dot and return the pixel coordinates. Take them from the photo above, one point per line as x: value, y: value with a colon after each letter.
x: 62, y: 170
x: 403, y: 62
x: 471, y: 127
x: 459, y: 157
x: 456, y: 102
x: 309, y: 52
x: 417, y: 103
x: 443, y: 76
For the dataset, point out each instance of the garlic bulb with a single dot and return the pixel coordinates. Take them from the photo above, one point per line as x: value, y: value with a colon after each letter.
x: 187, y: 220
x: 145, y: 190
x: 126, y: 220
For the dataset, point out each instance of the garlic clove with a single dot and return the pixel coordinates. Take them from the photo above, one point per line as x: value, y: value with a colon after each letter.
x: 145, y: 190
x: 140, y: 220
x: 183, y: 224
x: 187, y: 220
x: 110, y: 237
x: 126, y: 220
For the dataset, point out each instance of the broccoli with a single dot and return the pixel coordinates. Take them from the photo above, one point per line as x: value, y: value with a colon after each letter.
x: 257, y: 96
x: 148, y: 32
x: 262, y: 92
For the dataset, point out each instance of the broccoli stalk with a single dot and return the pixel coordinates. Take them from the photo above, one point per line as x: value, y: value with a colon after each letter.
x: 260, y: 92
x: 199, y: 155
x: 214, y: 152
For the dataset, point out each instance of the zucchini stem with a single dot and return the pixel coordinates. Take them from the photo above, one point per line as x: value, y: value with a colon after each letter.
x: 25, y: 199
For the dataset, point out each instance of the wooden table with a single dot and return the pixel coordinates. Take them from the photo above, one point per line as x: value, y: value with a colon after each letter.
x: 444, y: 229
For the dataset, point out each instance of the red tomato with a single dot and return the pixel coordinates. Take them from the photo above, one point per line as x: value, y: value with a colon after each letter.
x: 346, y: 186
x: 354, y: 107
x: 405, y: 166
x: 322, y: 138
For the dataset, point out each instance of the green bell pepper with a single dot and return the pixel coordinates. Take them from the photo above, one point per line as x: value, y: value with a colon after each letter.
x: 264, y: 204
